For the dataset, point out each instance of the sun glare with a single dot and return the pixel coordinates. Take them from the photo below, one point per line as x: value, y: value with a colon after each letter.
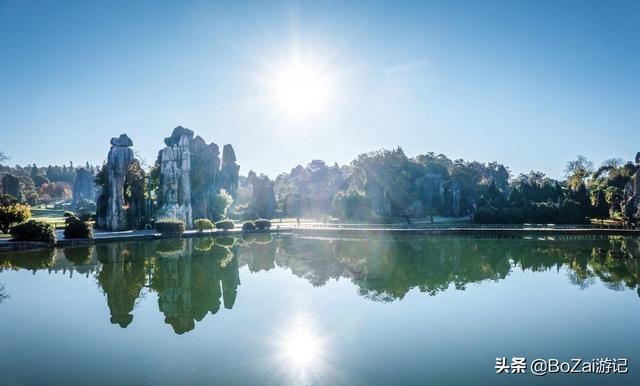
x: 301, y: 88
x: 301, y: 347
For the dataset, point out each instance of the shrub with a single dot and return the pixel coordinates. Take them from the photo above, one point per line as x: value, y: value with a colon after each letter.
x: 77, y: 229
x: 248, y: 226
x: 170, y: 226
x: 225, y: 225
x: 262, y: 223
x: 34, y: 231
x: 203, y: 224
x: 68, y: 214
x: 12, y: 213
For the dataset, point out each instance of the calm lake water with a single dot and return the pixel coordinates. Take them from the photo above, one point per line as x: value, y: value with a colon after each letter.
x: 296, y: 310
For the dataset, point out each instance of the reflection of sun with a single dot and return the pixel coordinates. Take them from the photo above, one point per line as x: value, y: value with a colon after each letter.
x: 301, y: 352
x: 301, y: 347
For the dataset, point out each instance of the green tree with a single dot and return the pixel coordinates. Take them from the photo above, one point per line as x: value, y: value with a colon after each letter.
x: 577, y: 171
x: 352, y: 204
x: 219, y: 204
x: 13, y: 213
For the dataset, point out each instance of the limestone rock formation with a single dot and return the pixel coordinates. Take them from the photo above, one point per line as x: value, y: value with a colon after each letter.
x: 632, y: 195
x: 191, y: 174
x: 431, y: 186
x: 456, y: 199
x: 263, y: 200
x: 378, y: 197
x: 205, y: 171
x: 229, y: 171
x: 175, y: 176
x: 112, y: 206
x: 84, y: 187
x: 11, y: 186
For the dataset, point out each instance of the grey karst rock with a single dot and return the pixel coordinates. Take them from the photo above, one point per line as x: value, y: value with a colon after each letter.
x: 632, y: 195
x: 122, y: 141
x: 84, y: 188
x: 112, y: 214
x: 205, y: 175
x: 175, y: 177
x: 11, y: 186
x: 190, y: 174
x: 263, y: 200
x: 378, y: 197
x: 431, y: 186
x: 229, y: 171
x: 455, y: 199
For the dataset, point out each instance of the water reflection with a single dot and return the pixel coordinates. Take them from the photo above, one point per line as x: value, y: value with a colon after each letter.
x: 196, y: 277
x: 3, y: 294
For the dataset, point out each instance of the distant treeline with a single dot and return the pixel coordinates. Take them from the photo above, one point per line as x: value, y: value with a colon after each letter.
x: 386, y: 185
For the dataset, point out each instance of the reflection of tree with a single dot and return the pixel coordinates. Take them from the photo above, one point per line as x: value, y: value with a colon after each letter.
x: 312, y: 259
x: 3, y: 293
x: 258, y: 252
x: 122, y: 278
x: 192, y: 285
x: 78, y: 255
x: 195, y: 277
x: 32, y: 260
x: 386, y: 268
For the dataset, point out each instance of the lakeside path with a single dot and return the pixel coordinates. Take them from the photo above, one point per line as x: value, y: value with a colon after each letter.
x: 333, y: 230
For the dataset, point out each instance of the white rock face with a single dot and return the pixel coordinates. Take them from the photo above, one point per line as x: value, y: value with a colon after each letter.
x: 118, y: 160
x: 175, y: 169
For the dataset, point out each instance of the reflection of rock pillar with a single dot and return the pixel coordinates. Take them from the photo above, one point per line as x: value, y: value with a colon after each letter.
x: 230, y: 281
x: 632, y: 194
x: 121, y: 280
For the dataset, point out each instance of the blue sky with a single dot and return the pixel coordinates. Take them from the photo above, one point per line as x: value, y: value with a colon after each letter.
x: 530, y: 84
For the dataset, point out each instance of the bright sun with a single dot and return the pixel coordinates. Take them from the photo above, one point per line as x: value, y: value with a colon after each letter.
x: 301, y: 88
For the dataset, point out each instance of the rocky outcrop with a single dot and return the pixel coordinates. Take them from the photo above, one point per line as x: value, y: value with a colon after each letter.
x: 11, y: 186
x: 263, y: 200
x: 112, y: 207
x: 175, y: 177
x: 431, y: 186
x: 632, y: 195
x: 229, y: 171
x: 191, y: 174
x: 205, y: 175
x: 84, y: 187
x: 378, y: 198
x: 456, y: 199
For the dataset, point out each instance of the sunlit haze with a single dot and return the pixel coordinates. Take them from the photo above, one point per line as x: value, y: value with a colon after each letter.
x: 528, y: 85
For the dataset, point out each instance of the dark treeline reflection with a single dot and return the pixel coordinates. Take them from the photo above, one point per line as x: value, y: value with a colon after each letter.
x: 195, y: 277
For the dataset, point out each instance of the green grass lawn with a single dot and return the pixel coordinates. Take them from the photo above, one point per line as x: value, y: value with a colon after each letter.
x: 52, y: 216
